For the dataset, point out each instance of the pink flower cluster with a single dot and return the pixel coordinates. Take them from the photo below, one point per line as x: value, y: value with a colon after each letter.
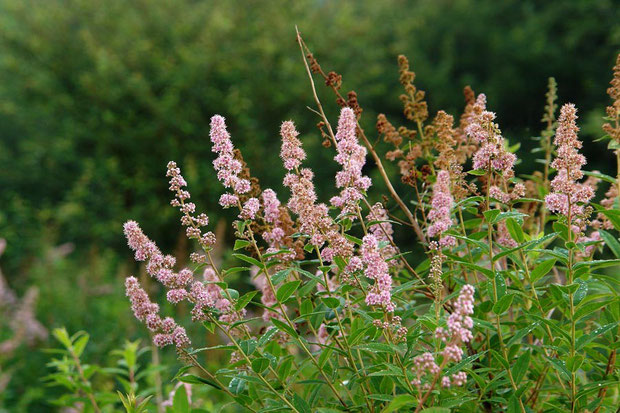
x: 517, y: 192
x: 483, y: 130
x: 382, y: 230
x: 275, y: 216
x: 314, y: 219
x: 377, y: 269
x: 352, y: 156
x: 268, y: 298
x: 208, y: 295
x: 167, y: 330
x: 459, y: 322
x: 291, y: 152
x: 182, y: 285
x: 459, y: 328
x: 567, y: 192
x: 227, y: 167
x: 271, y: 212
x: 440, y: 215
x: 250, y: 209
x: 189, y: 220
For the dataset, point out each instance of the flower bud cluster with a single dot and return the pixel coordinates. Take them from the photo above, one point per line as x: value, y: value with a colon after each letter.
x: 167, y: 331
x: 189, y: 220
x: 314, y: 219
x: 377, y: 269
x: 227, y: 166
x: 568, y: 196
x: 458, y: 331
x: 352, y: 156
x: 440, y: 214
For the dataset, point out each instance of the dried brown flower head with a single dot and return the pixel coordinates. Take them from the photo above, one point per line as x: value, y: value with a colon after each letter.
x: 415, y: 107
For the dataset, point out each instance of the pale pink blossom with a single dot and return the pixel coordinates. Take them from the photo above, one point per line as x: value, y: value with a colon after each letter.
x: 377, y: 269
x: 440, y: 214
x: 291, y: 152
x: 568, y: 195
x: 250, y: 209
x: 227, y: 166
x: 352, y: 157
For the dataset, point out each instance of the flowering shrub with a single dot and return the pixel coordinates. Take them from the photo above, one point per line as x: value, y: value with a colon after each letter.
x: 513, y: 308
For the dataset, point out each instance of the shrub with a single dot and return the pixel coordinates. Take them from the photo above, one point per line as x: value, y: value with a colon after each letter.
x: 511, y: 309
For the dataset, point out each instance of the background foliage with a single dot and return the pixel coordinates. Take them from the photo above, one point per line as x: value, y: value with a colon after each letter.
x: 96, y: 97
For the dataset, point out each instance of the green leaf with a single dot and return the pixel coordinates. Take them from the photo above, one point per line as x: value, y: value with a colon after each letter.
x: 234, y: 270
x: 611, y: 242
x: 244, y: 300
x: 573, y: 363
x: 490, y: 215
x: 331, y: 302
x: 300, y: 404
x: 236, y: 385
x: 80, y: 344
x: 286, y: 290
x: 306, y: 307
x: 249, y: 260
x: 180, y: 404
x: 248, y: 346
x: 596, y: 264
x: 62, y: 336
x: 520, y: 367
x: 436, y: 410
x: 376, y: 348
x: 561, y: 367
x: 522, y: 333
x: 515, y: 230
x: 502, y: 304
x: 590, y: 308
x: 458, y: 366
x: 542, y: 269
x: 264, y: 339
x: 613, y: 215
x: 601, y: 176
x: 240, y: 243
x: 518, y: 216
x: 399, y: 402
x: 325, y: 354
x: 260, y: 364
x: 193, y: 379
x: 353, y: 239
x: 561, y: 229
x: 581, y: 292
x: 477, y: 172
x: 278, y: 277
x: 500, y: 285
x: 585, y: 339
x: 284, y: 327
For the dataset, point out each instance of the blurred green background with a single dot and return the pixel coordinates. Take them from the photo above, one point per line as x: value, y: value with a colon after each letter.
x: 96, y: 97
